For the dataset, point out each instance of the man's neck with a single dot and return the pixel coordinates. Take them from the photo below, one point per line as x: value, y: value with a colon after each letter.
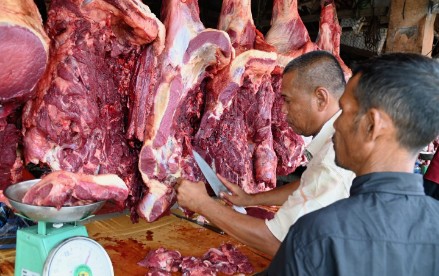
x: 328, y: 116
x: 388, y: 158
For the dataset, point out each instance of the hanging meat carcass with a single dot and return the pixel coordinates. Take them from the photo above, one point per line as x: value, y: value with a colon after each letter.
x: 287, y: 30
x: 290, y: 37
x: 329, y: 35
x: 76, y: 122
x: 192, y: 54
x: 235, y: 132
x: 24, y: 48
x: 243, y: 133
x: 288, y: 34
x: 237, y: 20
x: 11, y: 165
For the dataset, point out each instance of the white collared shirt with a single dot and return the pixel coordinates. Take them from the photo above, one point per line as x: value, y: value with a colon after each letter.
x: 321, y: 184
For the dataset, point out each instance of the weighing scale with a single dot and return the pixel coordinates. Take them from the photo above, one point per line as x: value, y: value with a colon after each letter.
x: 57, y: 245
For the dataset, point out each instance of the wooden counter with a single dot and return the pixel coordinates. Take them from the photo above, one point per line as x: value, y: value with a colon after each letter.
x: 128, y: 243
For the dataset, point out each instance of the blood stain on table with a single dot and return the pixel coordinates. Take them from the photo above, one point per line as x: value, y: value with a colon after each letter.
x: 149, y: 235
x: 128, y: 251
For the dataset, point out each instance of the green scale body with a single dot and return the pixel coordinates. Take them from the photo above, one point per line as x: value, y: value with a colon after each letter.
x: 35, y: 243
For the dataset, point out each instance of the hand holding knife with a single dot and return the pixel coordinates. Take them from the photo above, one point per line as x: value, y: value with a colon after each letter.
x: 213, y: 180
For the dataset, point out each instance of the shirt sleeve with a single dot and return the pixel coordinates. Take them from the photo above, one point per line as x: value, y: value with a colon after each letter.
x: 290, y: 259
x: 321, y: 184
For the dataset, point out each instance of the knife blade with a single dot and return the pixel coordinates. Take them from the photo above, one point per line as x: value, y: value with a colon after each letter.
x: 205, y: 225
x: 213, y: 180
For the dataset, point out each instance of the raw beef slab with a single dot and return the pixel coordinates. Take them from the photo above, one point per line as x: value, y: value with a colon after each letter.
x: 63, y: 188
x: 24, y: 48
x: 77, y: 122
x: 192, y: 54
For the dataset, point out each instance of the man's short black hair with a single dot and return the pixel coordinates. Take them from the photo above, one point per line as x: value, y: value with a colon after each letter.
x: 318, y: 68
x: 406, y: 87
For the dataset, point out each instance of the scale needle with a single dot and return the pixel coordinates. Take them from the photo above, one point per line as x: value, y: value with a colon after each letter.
x: 88, y: 256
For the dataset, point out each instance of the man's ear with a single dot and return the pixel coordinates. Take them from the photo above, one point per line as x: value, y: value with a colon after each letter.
x: 377, y: 123
x: 321, y: 95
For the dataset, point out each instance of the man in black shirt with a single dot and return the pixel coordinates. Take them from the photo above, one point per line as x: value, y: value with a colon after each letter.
x: 388, y: 226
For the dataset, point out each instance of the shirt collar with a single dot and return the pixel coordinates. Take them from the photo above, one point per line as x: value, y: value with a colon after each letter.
x: 388, y: 182
x: 322, y: 137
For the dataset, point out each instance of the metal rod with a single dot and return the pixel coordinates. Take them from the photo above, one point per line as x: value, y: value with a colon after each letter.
x: 42, y: 228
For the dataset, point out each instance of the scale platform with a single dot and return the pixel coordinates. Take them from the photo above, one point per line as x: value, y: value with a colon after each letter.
x: 57, y: 245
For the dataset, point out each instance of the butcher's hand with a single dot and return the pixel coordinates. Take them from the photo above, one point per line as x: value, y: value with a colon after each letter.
x: 191, y: 195
x: 238, y: 196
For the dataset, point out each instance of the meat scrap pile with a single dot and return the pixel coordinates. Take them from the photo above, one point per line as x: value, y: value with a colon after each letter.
x: 130, y: 94
x: 226, y: 259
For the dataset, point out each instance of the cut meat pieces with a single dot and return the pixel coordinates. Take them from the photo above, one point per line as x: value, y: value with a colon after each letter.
x: 162, y: 259
x: 192, y: 53
x: 330, y: 33
x: 63, y: 188
x: 196, y: 266
x: 237, y: 20
x: 77, y: 121
x: 226, y: 259
x: 24, y: 49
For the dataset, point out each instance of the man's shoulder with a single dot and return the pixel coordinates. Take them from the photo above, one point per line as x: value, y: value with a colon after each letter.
x: 325, y: 221
x: 324, y: 161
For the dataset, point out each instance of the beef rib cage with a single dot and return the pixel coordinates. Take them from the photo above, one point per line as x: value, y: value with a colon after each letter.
x: 192, y: 54
x: 77, y: 122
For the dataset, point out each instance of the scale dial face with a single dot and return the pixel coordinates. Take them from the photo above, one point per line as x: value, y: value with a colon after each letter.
x: 78, y: 256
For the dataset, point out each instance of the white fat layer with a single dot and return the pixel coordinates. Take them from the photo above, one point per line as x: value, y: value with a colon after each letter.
x: 156, y: 190
x: 110, y: 180
x: 199, y: 61
x: 160, y: 103
x: 51, y: 158
x: 179, y: 46
x: 240, y: 64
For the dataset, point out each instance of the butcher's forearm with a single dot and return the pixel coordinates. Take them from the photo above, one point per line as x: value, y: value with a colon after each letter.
x: 276, y: 196
x: 246, y: 229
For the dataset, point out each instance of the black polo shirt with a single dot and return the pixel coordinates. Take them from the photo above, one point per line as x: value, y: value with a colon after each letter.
x: 387, y: 226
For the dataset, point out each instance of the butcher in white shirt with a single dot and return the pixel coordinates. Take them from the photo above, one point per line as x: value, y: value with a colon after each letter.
x: 311, y: 87
x: 321, y: 183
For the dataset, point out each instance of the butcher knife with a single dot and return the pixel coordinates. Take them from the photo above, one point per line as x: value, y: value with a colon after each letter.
x: 214, y: 182
x: 213, y: 228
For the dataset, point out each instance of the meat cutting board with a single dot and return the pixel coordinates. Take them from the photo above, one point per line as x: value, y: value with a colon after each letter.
x: 128, y: 243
